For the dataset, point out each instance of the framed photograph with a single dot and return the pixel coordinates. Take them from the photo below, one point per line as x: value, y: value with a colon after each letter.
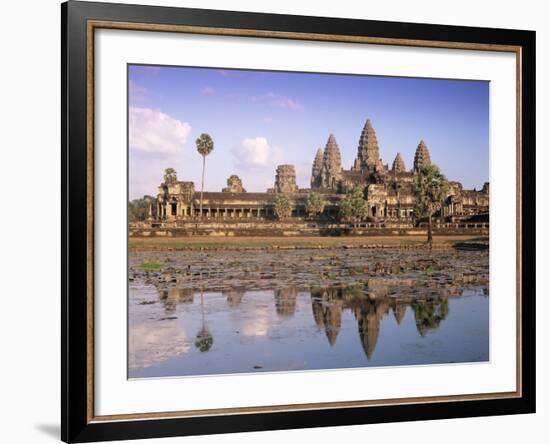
x: 275, y: 221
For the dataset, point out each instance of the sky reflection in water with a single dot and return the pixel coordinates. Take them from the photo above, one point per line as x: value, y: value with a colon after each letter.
x: 180, y: 332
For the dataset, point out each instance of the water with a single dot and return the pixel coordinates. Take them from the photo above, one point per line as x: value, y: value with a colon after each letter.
x: 181, y: 332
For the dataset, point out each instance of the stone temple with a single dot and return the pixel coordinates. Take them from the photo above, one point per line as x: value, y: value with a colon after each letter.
x: 387, y: 190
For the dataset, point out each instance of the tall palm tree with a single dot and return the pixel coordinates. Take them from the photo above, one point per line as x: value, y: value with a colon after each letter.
x: 430, y: 188
x: 205, y: 145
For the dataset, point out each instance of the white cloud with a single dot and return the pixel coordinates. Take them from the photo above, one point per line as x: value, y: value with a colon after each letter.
x: 278, y: 101
x: 154, y: 132
x: 151, y: 344
x: 255, y: 153
x: 208, y: 91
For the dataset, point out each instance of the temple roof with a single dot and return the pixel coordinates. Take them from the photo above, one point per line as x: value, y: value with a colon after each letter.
x: 236, y: 199
x: 220, y: 197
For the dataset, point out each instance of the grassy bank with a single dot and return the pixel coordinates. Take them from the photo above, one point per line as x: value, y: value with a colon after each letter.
x: 230, y: 243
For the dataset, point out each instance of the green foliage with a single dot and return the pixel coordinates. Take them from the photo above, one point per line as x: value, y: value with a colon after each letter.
x: 151, y: 266
x: 315, y: 204
x: 353, y: 207
x: 428, y: 315
x: 170, y: 175
x: 283, y: 206
x: 138, y: 209
x: 430, y: 188
x: 205, y: 144
x: 352, y: 292
x: 204, y: 340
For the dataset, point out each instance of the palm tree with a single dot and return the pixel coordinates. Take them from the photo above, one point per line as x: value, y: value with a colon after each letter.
x: 204, y: 338
x: 430, y: 188
x: 205, y: 145
x: 170, y: 175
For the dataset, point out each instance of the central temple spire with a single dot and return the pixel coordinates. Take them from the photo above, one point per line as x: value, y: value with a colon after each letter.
x: 368, y: 151
x: 422, y: 156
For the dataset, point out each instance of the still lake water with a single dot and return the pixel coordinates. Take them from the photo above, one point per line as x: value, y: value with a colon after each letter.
x: 181, y: 332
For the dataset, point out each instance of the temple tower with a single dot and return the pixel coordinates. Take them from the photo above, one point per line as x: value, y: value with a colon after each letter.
x: 368, y: 323
x: 368, y: 151
x: 316, y: 169
x: 399, y: 312
x: 234, y: 185
x: 285, y: 179
x: 332, y: 164
x: 398, y: 164
x: 285, y: 301
x: 421, y: 157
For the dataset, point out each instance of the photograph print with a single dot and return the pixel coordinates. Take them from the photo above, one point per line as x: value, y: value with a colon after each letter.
x: 294, y: 221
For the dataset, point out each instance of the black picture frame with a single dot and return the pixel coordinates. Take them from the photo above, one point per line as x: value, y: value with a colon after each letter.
x: 76, y: 327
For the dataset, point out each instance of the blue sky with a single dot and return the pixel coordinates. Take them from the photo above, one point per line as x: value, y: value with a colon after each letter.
x: 261, y: 119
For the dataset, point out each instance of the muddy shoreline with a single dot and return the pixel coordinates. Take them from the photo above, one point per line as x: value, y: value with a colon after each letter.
x: 300, y: 242
x: 417, y: 271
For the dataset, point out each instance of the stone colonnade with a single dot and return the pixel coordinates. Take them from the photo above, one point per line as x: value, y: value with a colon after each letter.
x: 179, y: 210
x: 176, y: 210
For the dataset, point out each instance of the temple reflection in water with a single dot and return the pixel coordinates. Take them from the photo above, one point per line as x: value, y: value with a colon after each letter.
x: 369, y: 304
